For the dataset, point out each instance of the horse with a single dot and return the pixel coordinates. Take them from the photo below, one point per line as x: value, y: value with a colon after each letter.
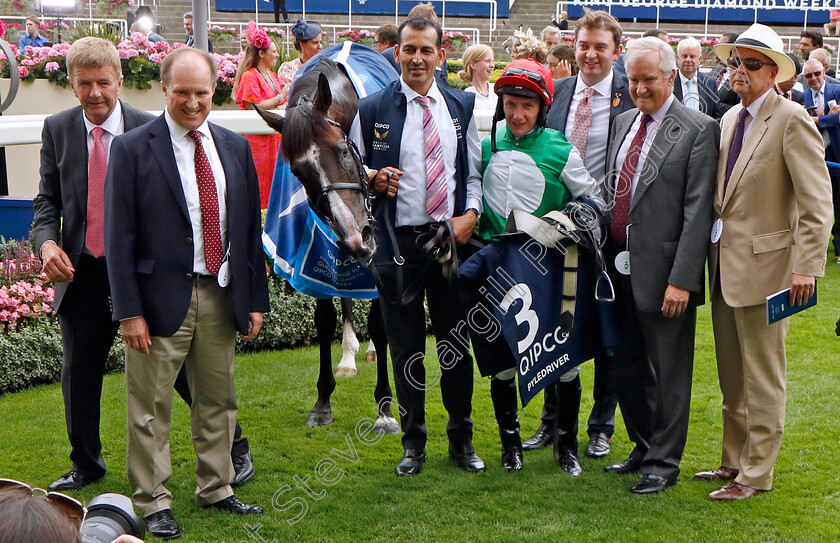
x: 321, y: 107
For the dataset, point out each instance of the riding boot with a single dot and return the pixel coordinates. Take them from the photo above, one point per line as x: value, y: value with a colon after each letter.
x: 566, y: 420
x: 505, y: 403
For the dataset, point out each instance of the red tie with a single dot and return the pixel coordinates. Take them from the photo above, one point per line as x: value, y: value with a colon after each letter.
x: 97, y: 170
x: 209, y: 201
x: 624, y: 183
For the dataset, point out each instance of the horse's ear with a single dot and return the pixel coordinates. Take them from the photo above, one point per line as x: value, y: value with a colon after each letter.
x: 272, y: 119
x: 323, y: 95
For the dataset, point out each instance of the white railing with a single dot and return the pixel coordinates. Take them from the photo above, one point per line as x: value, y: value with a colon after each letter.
x: 120, y: 23
x: 330, y: 30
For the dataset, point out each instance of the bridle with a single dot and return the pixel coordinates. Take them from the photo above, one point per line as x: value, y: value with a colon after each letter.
x: 362, y: 186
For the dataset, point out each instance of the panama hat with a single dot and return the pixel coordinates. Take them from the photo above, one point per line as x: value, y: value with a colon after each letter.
x: 763, y: 39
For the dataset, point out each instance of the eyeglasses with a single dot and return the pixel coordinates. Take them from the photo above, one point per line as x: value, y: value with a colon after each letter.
x: 809, y: 75
x: 375, y: 43
x: 71, y: 507
x: 751, y: 64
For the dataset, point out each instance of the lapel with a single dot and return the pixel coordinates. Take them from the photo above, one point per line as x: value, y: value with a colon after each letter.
x: 563, y: 99
x: 234, y: 178
x: 757, y: 130
x: 678, y: 88
x: 621, y: 129
x: 665, y: 139
x: 160, y: 143
x: 77, y: 146
x: 727, y: 132
x: 620, y: 100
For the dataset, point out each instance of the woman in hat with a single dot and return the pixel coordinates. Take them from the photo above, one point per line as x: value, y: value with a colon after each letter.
x: 308, y: 42
x: 256, y: 83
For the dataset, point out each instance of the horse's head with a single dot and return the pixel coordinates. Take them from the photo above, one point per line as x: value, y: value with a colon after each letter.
x: 329, y: 166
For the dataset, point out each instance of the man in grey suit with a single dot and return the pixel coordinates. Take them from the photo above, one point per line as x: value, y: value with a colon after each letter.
x: 660, y: 190
x: 72, y: 252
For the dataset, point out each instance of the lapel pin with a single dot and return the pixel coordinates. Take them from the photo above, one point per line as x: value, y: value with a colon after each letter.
x: 617, y: 100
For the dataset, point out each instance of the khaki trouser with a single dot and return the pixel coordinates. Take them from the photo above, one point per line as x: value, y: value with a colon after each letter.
x: 205, y: 343
x: 753, y: 374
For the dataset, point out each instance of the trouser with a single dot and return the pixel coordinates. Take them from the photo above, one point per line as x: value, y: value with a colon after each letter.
x: 602, y: 416
x: 205, y: 345
x: 405, y: 327
x: 280, y: 5
x: 753, y: 375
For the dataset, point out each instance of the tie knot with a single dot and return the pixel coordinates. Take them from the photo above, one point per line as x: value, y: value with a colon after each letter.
x: 97, y: 132
x: 742, y: 115
x: 646, y: 119
x: 424, y: 101
x: 588, y: 92
x: 195, y: 135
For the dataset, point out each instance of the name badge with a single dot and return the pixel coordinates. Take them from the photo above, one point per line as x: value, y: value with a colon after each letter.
x: 224, y: 274
x: 717, y: 230
x: 622, y: 262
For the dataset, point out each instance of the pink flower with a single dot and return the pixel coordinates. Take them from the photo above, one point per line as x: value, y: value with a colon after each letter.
x: 23, y: 71
x: 52, y: 66
x: 156, y: 57
x: 257, y: 37
x: 24, y: 309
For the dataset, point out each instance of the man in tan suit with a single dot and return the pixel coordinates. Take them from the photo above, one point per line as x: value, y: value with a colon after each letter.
x: 773, y: 203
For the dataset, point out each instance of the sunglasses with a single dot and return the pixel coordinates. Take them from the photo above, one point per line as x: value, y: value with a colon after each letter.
x: 71, y: 507
x: 809, y: 75
x: 751, y: 64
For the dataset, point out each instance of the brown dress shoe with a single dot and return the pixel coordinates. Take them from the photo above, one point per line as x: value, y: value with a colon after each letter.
x: 734, y: 491
x: 721, y: 474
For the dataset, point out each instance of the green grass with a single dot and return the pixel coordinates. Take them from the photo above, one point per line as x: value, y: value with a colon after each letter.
x: 277, y: 389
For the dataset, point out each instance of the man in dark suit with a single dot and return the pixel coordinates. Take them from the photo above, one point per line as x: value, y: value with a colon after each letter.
x: 583, y: 110
x: 660, y: 192
x: 423, y: 140
x: 726, y: 96
x: 818, y: 94
x: 691, y: 87
x: 182, y: 231
x: 786, y: 88
x: 188, y: 28
x: 79, y: 270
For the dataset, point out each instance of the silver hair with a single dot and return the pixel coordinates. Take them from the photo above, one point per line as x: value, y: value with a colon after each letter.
x: 688, y: 42
x: 550, y: 30
x: 667, y: 60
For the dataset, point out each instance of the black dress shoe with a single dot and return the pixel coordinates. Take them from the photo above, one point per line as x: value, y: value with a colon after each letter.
x: 163, y: 525
x: 569, y: 462
x: 243, y: 466
x: 411, y: 463
x: 628, y: 466
x: 465, y: 457
x: 72, y: 480
x: 599, y: 445
x: 233, y: 505
x: 541, y: 439
x: 651, y: 484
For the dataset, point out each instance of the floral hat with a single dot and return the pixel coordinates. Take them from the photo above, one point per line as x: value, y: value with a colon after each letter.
x: 257, y: 36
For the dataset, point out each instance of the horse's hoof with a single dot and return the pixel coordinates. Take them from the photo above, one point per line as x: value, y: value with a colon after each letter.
x: 319, y: 418
x: 388, y: 425
x: 370, y: 356
x: 345, y: 372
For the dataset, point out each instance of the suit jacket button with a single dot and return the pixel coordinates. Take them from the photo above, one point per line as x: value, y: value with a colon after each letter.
x: 189, y: 276
x: 189, y: 240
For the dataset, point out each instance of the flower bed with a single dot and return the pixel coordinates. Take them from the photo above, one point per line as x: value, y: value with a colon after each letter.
x: 25, y: 292
x: 218, y: 33
x: 365, y: 37
x: 140, y: 64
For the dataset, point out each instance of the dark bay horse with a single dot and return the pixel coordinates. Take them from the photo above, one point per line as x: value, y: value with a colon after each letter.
x: 321, y: 107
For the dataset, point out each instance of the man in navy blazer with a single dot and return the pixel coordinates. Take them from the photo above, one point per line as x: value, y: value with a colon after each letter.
x: 182, y: 232
x: 597, y: 46
x: 81, y: 279
x: 693, y: 88
x: 818, y: 94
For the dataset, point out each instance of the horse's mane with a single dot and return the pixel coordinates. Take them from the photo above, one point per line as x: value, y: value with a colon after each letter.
x: 302, y: 123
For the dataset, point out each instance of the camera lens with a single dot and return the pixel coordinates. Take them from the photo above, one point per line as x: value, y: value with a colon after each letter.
x: 110, y: 516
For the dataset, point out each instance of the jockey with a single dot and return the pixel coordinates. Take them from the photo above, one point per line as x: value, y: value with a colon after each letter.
x: 526, y: 166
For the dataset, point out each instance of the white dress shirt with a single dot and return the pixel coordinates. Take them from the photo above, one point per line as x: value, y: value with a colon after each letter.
x: 599, y: 128
x: 184, y: 148
x: 818, y: 96
x: 686, y: 92
x: 411, y: 195
x: 753, y: 109
x: 652, y: 129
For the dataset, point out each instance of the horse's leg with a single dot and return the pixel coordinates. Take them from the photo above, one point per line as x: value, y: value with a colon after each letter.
x: 382, y: 393
x: 370, y: 354
x: 349, y: 342
x: 325, y: 321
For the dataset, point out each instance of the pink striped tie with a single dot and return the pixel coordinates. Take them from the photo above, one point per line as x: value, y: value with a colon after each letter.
x: 437, y: 205
x: 97, y: 170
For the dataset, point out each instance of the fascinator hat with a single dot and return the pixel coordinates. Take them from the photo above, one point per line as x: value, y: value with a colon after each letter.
x: 304, y: 31
x: 257, y: 36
